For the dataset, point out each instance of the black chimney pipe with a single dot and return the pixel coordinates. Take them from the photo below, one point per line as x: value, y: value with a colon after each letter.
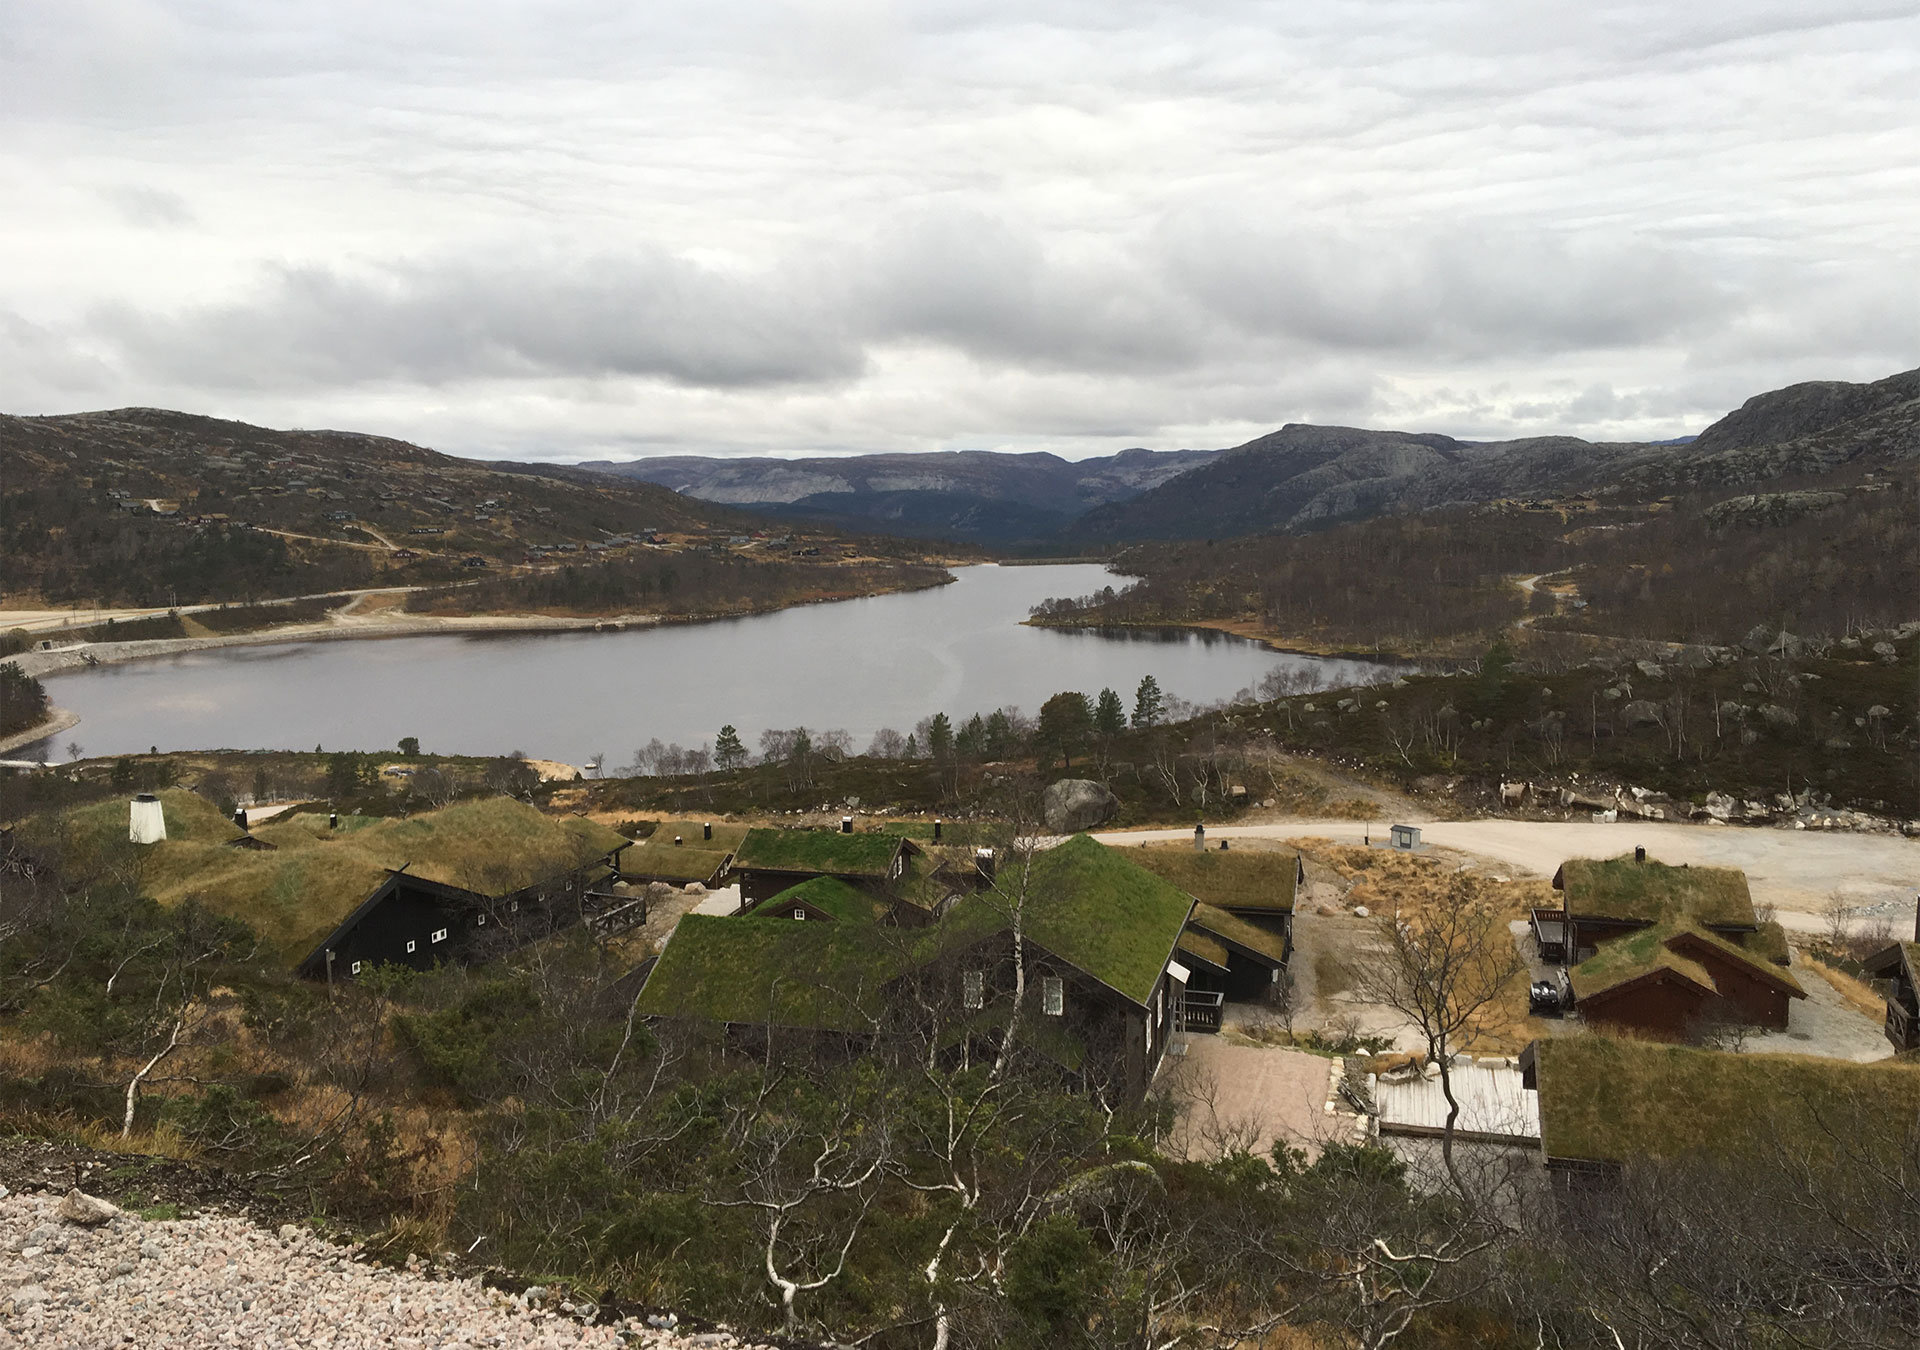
x: 240, y: 816
x: 846, y: 824
x: 936, y: 831
x: 706, y: 830
x: 1639, y: 853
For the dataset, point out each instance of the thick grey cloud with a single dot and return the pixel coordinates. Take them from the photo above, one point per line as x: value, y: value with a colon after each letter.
x: 589, y: 227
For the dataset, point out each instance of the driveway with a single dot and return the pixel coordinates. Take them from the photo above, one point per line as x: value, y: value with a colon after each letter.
x: 1794, y: 870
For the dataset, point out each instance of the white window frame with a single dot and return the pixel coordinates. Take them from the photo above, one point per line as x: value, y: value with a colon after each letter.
x: 411, y: 944
x: 1053, y: 996
x: 973, y: 989
x: 356, y: 969
x: 439, y: 935
x: 799, y: 914
x: 480, y: 921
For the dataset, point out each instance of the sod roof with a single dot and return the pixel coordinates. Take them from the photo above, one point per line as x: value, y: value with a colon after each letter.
x: 1090, y: 905
x: 1608, y: 1099
x: 1236, y: 879
x: 1237, y: 930
x: 298, y: 893
x: 1634, y: 957
x: 823, y: 852
x: 696, y: 859
x: 1653, y: 892
x: 821, y: 975
x: 1666, y: 946
x: 829, y: 895
x: 1203, y: 947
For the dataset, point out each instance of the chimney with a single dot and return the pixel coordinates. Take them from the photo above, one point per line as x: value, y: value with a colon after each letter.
x: 676, y: 841
x: 1639, y: 853
x: 1199, y: 838
x: 333, y: 820
x: 146, y: 824
x: 1916, y: 918
x: 936, y: 831
x: 846, y: 824
x: 240, y: 816
x: 706, y: 830
x: 983, y: 865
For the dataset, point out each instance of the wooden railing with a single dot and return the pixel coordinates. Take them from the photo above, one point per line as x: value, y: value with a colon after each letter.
x: 1201, y: 1010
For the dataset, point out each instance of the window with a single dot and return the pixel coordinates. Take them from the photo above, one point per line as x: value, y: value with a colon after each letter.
x: 1053, y: 995
x: 513, y: 907
x: 356, y: 968
x: 799, y: 914
x: 411, y: 944
x: 439, y: 935
x: 973, y: 989
x: 480, y: 921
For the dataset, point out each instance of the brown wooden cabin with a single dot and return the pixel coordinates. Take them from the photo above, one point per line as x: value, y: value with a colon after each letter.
x: 416, y: 922
x: 885, y: 866
x: 1895, y: 972
x: 1232, y: 956
x: 1101, y: 997
x: 1667, y: 951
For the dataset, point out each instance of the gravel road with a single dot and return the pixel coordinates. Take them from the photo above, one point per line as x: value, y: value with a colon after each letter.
x: 215, y: 1281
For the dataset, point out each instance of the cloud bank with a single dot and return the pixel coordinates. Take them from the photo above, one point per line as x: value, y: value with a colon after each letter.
x: 591, y: 228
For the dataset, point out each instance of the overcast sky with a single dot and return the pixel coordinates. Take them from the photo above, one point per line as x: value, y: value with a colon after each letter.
x: 590, y: 228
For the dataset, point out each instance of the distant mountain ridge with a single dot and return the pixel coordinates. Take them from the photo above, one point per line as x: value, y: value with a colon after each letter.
x: 1307, y: 477
x: 981, y: 496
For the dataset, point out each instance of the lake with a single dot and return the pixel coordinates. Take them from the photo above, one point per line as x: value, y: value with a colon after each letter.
x: 860, y: 665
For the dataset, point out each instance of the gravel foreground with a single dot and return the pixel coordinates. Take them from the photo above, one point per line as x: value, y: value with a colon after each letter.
x: 215, y: 1281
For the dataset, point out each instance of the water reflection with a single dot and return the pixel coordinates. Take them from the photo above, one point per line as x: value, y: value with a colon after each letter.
x: 860, y: 665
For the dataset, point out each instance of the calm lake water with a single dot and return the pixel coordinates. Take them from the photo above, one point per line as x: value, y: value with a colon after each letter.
x: 858, y: 664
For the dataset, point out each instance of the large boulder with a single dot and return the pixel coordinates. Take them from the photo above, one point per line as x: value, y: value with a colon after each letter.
x: 1077, y: 804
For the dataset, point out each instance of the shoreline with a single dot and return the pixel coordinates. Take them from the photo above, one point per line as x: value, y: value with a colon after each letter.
x: 392, y: 624
x: 1239, y: 629
x: 58, y: 720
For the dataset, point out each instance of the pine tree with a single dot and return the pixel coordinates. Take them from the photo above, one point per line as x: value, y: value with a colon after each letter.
x: 1109, y: 718
x: 940, y: 738
x: 1065, y: 721
x: 1149, y: 706
x: 728, y: 752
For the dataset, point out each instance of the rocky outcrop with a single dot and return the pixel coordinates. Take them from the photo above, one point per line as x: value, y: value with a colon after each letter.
x: 1074, y: 804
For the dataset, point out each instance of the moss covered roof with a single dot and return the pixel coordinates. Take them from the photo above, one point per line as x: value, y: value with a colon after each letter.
x: 1653, y: 892
x: 695, y: 859
x: 1090, y: 905
x: 827, y: 852
x: 296, y: 894
x: 1084, y: 902
x: 1224, y: 925
x: 1665, y: 946
x: 828, y: 976
x: 829, y: 895
x: 1202, y: 947
x: 1236, y: 879
x: 1609, y: 1099
x: 1633, y: 957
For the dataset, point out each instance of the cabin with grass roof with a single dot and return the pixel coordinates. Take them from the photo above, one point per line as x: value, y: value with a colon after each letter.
x: 457, y: 885
x: 1607, y: 1102
x: 683, y: 853
x: 1671, y: 952
x: 1079, y: 948
x: 1895, y: 972
x: 885, y: 865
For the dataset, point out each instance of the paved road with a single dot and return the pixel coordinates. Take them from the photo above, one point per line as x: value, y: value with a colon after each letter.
x: 1794, y: 870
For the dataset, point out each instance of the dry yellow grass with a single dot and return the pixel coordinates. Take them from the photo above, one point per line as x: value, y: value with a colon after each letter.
x: 1857, y: 995
x: 1389, y: 882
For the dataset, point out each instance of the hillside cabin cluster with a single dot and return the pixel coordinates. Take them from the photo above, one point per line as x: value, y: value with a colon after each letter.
x: 1675, y: 953
x: 858, y: 938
